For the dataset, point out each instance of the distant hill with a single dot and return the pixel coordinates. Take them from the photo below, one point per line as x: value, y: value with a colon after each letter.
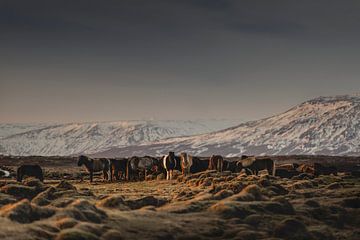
x: 77, y: 138
x: 324, y: 125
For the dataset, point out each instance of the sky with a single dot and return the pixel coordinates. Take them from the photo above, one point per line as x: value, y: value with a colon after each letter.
x: 72, y: 60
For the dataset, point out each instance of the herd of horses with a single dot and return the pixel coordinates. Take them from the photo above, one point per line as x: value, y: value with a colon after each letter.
x: 138, y: 168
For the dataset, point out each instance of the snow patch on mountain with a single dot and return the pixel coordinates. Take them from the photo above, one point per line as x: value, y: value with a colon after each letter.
x: 324, y: 125
x: 76, y: 138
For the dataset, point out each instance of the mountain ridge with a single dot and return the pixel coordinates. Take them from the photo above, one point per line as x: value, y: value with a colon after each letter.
x: 89, y: 137
x: 327, y: 125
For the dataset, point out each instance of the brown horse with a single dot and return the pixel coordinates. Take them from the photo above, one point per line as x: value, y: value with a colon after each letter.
x: 256, y: 164
x: 95, y: 165
x: 118, y: 168
x: 216, y: 162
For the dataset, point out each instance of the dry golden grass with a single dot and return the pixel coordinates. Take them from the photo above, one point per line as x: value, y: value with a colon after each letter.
x: 207, y: 205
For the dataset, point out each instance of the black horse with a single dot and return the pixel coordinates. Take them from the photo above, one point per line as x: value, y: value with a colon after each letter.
x: 95, y: 165
x: 30, y: 171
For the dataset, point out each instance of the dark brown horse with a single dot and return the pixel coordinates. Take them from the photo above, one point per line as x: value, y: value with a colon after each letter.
x: 30, y: 171
x: 216, y: 162
x: 230, y: 166
x: 95, y: 165
x: 118, y: 168
x: 256, y: 164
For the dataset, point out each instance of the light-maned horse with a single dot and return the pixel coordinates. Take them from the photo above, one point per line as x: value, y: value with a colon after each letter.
x: 216, y: 162
x: 170, y: 163
x: 186, y: 163
x: 95, y: 165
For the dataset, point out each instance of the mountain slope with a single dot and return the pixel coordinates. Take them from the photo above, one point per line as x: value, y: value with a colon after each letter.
x: 76, y: 138
x: 325, y: 125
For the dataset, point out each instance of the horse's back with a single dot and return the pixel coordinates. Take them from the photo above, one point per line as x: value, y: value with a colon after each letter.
x: 248, y: 161
x: 101, y: 165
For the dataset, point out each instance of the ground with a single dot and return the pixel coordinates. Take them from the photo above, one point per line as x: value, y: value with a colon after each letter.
x: 206, y: 205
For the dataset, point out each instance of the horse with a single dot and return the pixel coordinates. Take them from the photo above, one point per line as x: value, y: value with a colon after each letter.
x: 30, y: 171
x: 170, y: 163
x: 186, y: 163
x: 288, y: 166
x: 255, y: 165
x: 4, y: 173
x: 287, y: 170
x: 191, y: 164
x: 317, y: 169
x: 230, y: 166
x: 118, y: 168
x: 95, y: 165
x: 141, y: 166
x: 216, y: 162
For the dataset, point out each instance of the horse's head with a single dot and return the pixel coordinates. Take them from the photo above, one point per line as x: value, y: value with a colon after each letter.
x: 82, y: 159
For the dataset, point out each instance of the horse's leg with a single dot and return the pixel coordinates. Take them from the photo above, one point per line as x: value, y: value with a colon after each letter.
x: 116, y: 174
x: 167, y: 175
x: 104, y: 175
x: 111, y: 174
x: 41, y: 177
x: 91, y: 176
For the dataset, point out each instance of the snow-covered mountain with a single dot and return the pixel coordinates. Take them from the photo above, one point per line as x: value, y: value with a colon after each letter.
x: 76, y: 138
x: 325, y: 125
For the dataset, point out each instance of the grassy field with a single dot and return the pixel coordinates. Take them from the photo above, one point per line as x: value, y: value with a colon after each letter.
x: 207, y: 205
